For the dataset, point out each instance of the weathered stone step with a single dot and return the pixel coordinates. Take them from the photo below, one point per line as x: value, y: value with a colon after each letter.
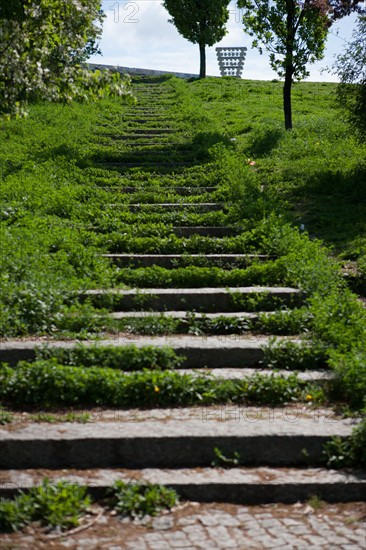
x: 138, y: 134
x: 155, y: 98
x: 148, y: 113
x: 143, y: 132
x: 170, y: 261
x: 178, y: 190
x: 140, y: 107
x: 198, y: 351
x: 183, y: 314
x: 143, y: 153
x: 199, y: 206
x: 129, y: 145
x: 144, y: 119
x: 143, y: 165
x: 277, y: 437
x: 313, y: 376
x: 142, y: 144
x: 262, y: 485
x: 144, y: 109
x: 209, y: 300
x: 153, y: 94
x: 206, y: 231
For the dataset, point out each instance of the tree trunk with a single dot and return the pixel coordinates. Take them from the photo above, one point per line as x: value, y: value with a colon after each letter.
x: 287, y: 98
x: 289, y: 63
x: 202, y: 60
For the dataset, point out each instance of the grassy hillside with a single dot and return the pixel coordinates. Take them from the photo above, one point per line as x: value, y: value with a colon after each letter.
x: 283, y: 190
x: 316, y: 173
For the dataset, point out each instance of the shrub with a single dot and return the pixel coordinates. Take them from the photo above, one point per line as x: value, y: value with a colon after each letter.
x: 47, y: 383
x: 57, y: 504
x: 128, y: 358
x: 349, y: 452
x: 138, y: 499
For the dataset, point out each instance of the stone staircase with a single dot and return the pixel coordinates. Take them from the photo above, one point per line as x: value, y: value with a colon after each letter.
x: 280, y: 448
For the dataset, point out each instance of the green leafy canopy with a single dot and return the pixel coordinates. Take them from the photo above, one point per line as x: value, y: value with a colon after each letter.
x: 42, y: 49
x: 199, y: 20
x: 294, y: 33
x: 350, y: 66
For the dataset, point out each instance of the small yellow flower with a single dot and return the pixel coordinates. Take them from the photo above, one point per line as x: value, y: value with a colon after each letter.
x: 309, y: 397
x: 156, y: 389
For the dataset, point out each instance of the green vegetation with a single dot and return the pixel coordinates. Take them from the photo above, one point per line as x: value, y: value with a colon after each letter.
x: 350, y: 452
x: 294, y: 357
x: 316, y: 502
x: 168, y: 245
x: 294, y: 34
x: 281, y: 322
x: 61, y: 209
x: 202, y: 23
x: 49, y: 383
x: 313, y: 176
x: 195, y: 276
x: 5, y: 416
x: 53, y: 504
x: 223, y: 461
x: 127, y: 358
x: 351, y: 69
x: 61, y: 504
x: 44, y: 46
x: 139, y: 499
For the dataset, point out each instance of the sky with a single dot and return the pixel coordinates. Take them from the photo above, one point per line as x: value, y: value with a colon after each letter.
x: 137, y: 34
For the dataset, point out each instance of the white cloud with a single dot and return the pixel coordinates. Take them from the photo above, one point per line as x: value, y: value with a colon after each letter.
x: 136, y: 33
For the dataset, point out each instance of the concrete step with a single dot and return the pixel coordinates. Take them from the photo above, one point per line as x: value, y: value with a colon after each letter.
x: 138, y: 147
x: 206, y: 231
x: 144, y: 119
x: 165, y: 152
x: 196, y: 206
x: 313, y: 376
x: 144, y: 144
x: 144, y: 109
x: 143, y: 165
x: 147, y: 132
x: 141, y: 155
x: 262, y: 485
x: 198, y: 351
x: 184, y: 314
x: 145, y: 113
x: 209, y: 300
x: 177, y: 190
x: 170, y: 261
x: 155, y: 98
x: 138, y: 134
x: 175, y: 439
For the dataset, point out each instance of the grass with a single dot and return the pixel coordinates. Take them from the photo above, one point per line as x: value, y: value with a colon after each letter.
x: 299, y: 196
x: 127, y: 358
x: 318, y: 170
x: 285, y: 322
x: 48, y: 383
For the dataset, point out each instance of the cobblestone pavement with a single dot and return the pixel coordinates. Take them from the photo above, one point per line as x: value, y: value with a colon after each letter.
x: 212, y: 526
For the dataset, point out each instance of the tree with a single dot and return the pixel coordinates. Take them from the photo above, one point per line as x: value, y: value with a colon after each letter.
x: 341, y: 8
x: 294, y: 33
x: 43, y: 45
x: 351, y: 69
x: 199, y: 21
